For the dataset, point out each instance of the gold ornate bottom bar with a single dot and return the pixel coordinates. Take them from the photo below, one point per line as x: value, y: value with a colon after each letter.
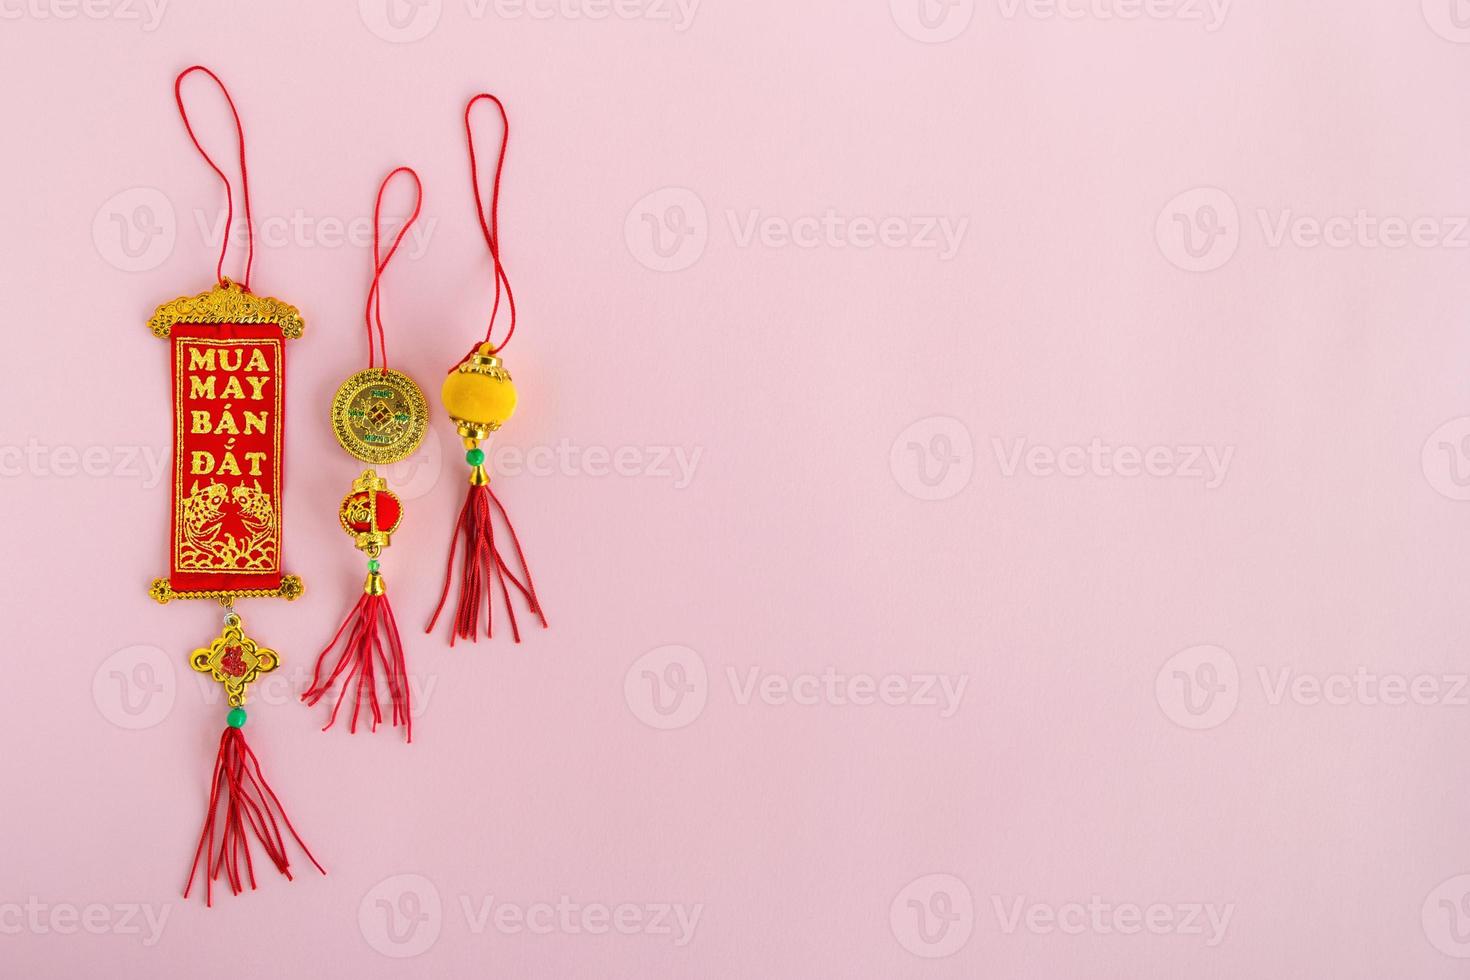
x: 291, y: 587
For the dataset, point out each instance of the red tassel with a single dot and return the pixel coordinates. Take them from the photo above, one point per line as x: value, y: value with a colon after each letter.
x: 239, y: 798
x: 366, y: 649
x: 483, y: 568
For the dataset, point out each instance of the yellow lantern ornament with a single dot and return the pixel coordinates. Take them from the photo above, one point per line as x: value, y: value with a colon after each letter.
x: 480, y: 397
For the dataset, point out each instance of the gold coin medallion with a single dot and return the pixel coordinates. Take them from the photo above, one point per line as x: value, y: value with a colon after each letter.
x: 380, y: 416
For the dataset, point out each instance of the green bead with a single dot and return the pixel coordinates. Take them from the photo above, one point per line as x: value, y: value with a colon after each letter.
x: 372, y: 564
x: 475, y: 456
x: 236, y: 718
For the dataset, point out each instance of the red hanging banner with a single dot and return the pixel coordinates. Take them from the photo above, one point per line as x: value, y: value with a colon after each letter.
x: 229, y: 391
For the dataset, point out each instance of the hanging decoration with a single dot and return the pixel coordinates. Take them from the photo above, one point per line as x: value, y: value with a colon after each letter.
x: 227, y: 355
x: 379, y: 416
x: 480, y: 397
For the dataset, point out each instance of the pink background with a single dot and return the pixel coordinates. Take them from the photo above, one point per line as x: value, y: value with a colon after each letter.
x: 1096, y: 755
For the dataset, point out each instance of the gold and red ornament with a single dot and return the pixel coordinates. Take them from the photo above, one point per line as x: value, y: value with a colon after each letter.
x: 480, y: 397
x: 379, y: 415
x: 228, y: 358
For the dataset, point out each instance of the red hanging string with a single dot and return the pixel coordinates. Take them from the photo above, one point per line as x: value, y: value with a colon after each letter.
x: 372, y: 643
x: 240, y: 800
x: 483, y: 569
x: 490, y: 222
x: 219, y: 269
x: 374, y: 311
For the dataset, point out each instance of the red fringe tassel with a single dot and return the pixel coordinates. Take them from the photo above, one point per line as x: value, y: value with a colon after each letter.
x: 366, y: 650
x: 483, y: 568
x: 240, y: 799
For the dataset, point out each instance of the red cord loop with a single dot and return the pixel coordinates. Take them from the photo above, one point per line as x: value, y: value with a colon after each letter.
x: 490, y: 222
x: 219, y: 269
x: 374, y: 311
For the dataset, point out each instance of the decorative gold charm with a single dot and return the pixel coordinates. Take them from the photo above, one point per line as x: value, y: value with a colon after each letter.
x: 234, y: 660
x: 291, y: 588
x: 371, y: 513
x: 227, y: 303
x: 380, y: 416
